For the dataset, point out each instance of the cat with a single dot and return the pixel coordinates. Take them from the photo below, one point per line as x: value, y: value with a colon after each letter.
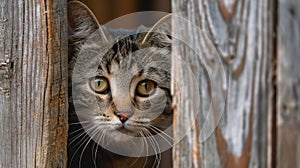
x: 119, y: 91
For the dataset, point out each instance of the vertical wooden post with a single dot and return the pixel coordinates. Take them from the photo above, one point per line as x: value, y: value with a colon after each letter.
x: 242, y: 32
x: 33, y: 83
x: 288, y: 84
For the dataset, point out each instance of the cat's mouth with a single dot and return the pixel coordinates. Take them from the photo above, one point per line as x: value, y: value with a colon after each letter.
x: 127, y: 130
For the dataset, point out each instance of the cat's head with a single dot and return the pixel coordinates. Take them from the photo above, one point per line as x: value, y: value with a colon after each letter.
x: 120, y: 78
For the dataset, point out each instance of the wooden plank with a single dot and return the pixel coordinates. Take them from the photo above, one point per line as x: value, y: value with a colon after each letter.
x: 288, y: 82
x: 33, y: 83
x: 242, y: 32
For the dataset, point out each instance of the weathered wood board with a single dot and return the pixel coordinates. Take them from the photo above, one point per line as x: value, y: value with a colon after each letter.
x: 243, y: 35
x: 288, y: 84
x: 33, y: 83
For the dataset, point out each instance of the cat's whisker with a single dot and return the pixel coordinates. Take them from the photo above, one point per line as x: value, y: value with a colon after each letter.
x: 85, y: 138
x: 140, y: 132
x: 82, y: 142
x: 78, y: 123
x: 131, y: 165
x: 90, y: 139
x: 96, y: 145
x: 155, y: 146
x: 76, y: 137
x: 157, y: 151
x: 83, y: 135
x: 80, y: 129
x: 161, y: 126
x: 102, y: 139
x: 76, y: 131
x: 94, y: 155
x: 73, y: 139
x: 161, y: 133
x: 162, y: 137
x: 144, y: 142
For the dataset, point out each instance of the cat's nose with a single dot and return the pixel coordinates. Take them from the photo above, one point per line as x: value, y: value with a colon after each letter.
x: 122, y: 116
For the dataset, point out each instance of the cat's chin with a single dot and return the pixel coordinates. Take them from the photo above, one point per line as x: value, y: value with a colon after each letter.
x: 120, y: 135
x: 122, y: 142
x: 125, y: 131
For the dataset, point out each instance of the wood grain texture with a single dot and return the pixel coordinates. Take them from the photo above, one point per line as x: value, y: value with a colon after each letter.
x: 33, y: 83
x: 243, y: 34
x: 288, y: 84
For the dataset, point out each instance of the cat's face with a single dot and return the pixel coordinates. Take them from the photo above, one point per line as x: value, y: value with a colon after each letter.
x: 120, y: 82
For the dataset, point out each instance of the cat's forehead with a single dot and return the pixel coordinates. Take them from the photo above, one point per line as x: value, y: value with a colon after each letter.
x: 125, y: 57
x: 129, y: 53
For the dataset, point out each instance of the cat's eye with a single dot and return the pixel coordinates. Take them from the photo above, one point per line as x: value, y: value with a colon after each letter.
x: 99, y: 85
x: 145, y: 88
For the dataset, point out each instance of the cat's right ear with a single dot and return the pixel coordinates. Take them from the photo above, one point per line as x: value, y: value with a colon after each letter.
x: 81, y: 23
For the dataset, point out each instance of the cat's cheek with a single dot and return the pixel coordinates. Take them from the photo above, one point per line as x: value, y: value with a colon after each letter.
x: 159, y: 98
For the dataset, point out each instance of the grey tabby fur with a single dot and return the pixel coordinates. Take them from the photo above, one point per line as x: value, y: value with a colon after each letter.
x: 124, y: 57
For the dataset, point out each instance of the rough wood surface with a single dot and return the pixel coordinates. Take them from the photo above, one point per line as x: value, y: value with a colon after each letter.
x: 288, y: 84
x: 33, y: 83
x: 243, y: 34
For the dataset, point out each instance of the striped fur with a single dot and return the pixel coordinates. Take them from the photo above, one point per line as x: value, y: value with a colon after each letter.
x: 125, y: 58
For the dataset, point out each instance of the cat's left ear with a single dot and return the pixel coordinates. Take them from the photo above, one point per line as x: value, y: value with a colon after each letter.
x: 82, y: 23
x: 161, y: 31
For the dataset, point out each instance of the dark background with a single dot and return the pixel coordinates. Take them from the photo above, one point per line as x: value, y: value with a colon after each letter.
x: 107, y: 10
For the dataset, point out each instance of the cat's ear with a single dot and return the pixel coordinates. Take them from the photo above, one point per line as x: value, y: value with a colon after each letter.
x: 161, y: 31
x: 81, y: 22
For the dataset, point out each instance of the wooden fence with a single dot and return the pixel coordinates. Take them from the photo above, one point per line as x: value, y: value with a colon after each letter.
x: 33, y: 83
x: 257, y: 42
